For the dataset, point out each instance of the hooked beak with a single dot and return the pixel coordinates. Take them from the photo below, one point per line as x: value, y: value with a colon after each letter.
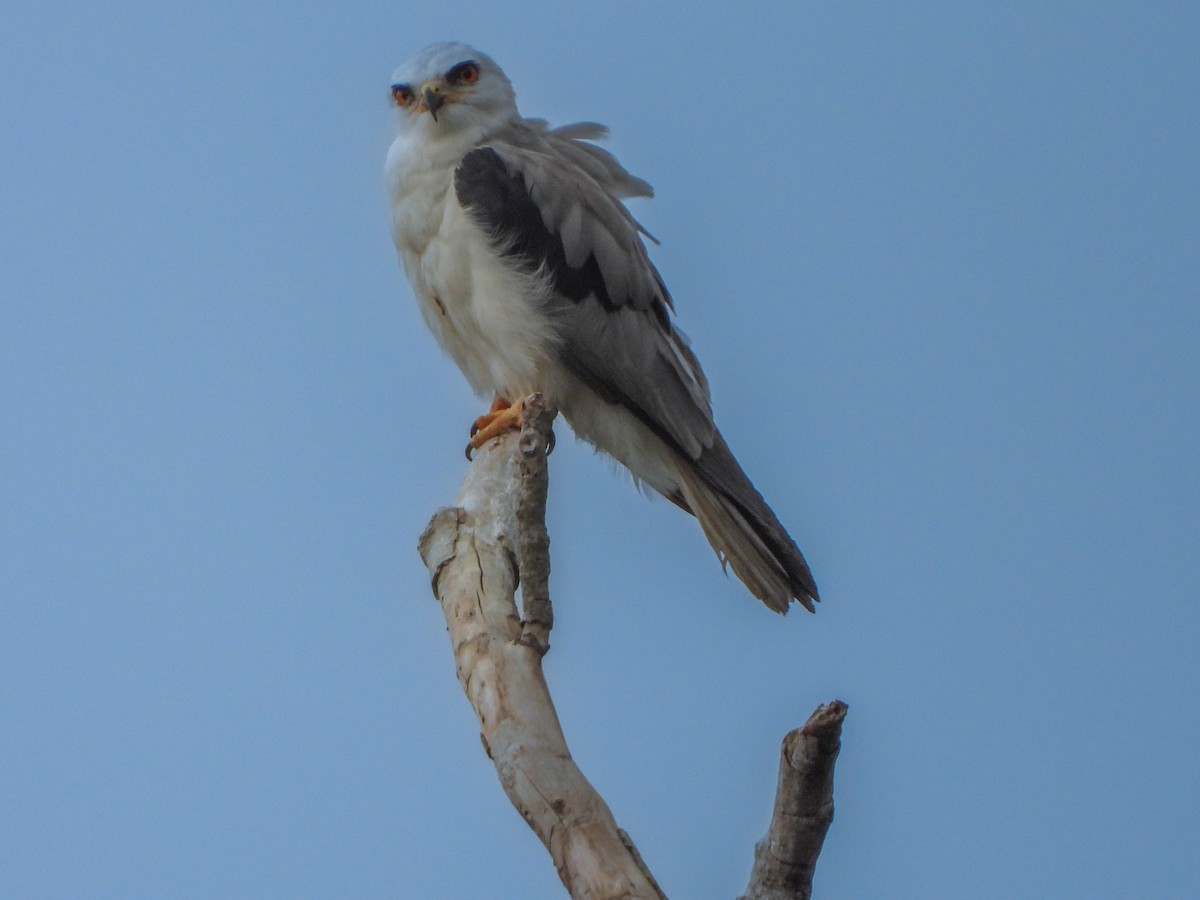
x: 434, y: 99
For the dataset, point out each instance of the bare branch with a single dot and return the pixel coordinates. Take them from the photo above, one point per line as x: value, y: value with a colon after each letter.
x: 536, y: 440
x: 785, y: 859
x: 476, y: 552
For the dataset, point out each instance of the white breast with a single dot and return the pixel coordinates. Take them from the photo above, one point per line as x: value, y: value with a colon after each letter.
x: 488, y: 316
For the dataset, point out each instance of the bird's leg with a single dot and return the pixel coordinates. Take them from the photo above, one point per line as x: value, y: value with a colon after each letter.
x: 500, y: 418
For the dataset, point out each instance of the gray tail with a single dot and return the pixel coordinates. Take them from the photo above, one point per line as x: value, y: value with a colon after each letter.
x: 743, y: 530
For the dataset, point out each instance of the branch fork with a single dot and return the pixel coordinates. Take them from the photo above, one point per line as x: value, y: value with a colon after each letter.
x: 478, y: 551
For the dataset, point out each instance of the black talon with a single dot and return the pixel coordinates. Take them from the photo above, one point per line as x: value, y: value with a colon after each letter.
x: 550, y: 443
x: 474, y: 428
x: 471, y: 450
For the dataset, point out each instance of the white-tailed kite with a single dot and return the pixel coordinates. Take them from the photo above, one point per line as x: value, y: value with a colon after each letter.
x: 533, y: 276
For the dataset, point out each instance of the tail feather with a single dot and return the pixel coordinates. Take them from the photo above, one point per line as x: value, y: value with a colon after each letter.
x: 744, y: 531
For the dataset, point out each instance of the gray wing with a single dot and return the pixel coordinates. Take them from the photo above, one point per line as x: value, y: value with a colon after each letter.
x: 551, y: 201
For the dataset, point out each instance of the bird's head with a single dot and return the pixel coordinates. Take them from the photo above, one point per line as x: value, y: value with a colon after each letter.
x: 448, y: 88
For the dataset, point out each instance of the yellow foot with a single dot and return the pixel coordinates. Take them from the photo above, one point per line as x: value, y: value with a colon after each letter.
x: 499, y: 419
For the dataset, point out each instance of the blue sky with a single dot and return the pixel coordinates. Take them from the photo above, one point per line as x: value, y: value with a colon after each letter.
x: 941, y: 263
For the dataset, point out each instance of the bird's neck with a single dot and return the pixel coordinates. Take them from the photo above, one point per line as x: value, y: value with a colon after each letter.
x: 446, y: 142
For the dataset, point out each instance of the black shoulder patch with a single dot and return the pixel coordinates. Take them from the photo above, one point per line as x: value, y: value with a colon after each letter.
x: 501, y: 204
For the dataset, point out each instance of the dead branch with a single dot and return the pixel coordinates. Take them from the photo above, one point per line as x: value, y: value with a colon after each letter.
x: 476, y: 553
x: 785, y: 859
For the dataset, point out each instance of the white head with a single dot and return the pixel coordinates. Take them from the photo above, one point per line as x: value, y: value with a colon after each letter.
x: 447, y: 89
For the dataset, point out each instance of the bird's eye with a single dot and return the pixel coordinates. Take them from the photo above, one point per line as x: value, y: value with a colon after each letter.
x: 402, y: 94
x: 464, y: 73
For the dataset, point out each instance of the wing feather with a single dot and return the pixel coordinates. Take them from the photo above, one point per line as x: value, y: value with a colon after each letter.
x: 551, y: 202
x: 574, y: 241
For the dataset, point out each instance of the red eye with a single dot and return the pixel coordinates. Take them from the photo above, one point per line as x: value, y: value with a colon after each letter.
x: 402, y: 94
x: 464, y: 73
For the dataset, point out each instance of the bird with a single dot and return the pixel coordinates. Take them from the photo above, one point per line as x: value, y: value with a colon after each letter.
x: 534, y: 276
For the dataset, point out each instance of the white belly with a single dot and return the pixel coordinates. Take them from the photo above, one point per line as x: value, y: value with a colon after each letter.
x: 490, y: 318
